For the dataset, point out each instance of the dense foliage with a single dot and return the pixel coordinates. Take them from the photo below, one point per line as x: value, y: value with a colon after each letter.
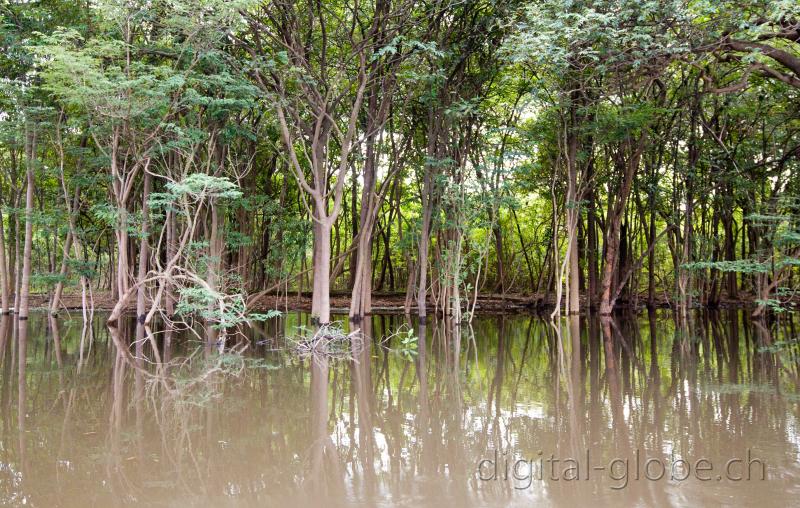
x: 201, y: 155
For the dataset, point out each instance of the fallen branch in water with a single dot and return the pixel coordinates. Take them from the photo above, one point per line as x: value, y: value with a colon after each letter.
x: 329, y: 341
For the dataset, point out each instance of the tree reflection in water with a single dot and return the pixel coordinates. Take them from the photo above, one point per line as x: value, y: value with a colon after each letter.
x: 92, y: 423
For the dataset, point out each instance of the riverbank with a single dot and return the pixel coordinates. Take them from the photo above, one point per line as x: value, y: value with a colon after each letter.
x: 389, y: 303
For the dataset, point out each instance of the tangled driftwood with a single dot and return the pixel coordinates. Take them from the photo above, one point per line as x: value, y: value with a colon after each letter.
x: 330, y: 341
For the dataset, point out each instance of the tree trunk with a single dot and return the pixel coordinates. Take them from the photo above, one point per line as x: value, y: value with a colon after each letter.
x: 25, y: 280
x: 497, y: 232
x: 354, y: 226
x: 78, y: 249
x: 523, y: 247
x: 321, y: 297
x: 591, y: 238
x: 427, y: 214
x: 730, y: 251
x: 571, y: 202
x: 214, y: 269
x: 16, y: 256
x: 651, y: 257
x: 361, y: 296
x: 62, y: 274
x: 122, y: 255
x: 614, y: 225
x: 572, y: 232
x: 172, y: 248
x: 144, y: 253
x: 5, y: 288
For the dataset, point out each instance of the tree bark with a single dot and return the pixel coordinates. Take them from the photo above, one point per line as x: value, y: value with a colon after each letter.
x: 5, y: 288
x: 361, y: 296
x: 427, y: 214
x: 321, y: 297
x: 214, y: 269
x: 62, y: 274
x: 25, y: 280
x: 144, y: 252
x: 591, y: 238
x: 572, y: 223
x: 614, y: 223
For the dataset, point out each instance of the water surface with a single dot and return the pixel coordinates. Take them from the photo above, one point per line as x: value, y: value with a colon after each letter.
x: 509, y: 411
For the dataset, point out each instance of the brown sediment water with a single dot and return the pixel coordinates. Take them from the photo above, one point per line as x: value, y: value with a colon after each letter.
x: 640, y: 410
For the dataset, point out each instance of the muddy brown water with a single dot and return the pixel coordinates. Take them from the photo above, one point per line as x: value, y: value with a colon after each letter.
x: 511, y: 411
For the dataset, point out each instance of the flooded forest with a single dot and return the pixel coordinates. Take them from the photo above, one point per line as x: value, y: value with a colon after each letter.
x: 399, y: 252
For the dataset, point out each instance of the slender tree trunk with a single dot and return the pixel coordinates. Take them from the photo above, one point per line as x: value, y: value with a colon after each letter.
x: 354, y: 225
x: 122, y: 255
x: 591, y: 238
x: 730, y: 251
x: 614, y: 225
x: 321, y: 297
x: 144, y: 253
x: 497, y: 232
x: 684, y: 280
x: 16, y: 256
x: 5, y: 288
x: 62, y: 274
x: 571, y: 204
x: 523, y: 247
x: 25, y: 280
x: 214, y: 268
x: 427, y: 214
x: 361, y: 297
x: 8, y: 258
x: 386, y: 256
x: 572, y: 229
x: 172, y: 247
x: 422, y: 257
x: 651, y: 257
x: 79, y: 250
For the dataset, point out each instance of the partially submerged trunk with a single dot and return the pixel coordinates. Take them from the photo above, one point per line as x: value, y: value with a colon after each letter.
x: 427, y: 214
x: 78, y: 251
x: 497, y: 232
x: 25, y: 279
x: 121, y: 286
x: 5, y: 287
x: 214, y: 277
x: 361, y: 296
x: 627, y: 166
x: 172, y: 247
x: 573, y: 211
x: 16, y: 254
x: 321, y: 297
x: 144, y: 254
x: 7, y: 259
x: 651, y: 257
x: 62, y: 274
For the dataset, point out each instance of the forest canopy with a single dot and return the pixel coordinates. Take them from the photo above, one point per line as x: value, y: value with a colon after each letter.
x: 208, y: 157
